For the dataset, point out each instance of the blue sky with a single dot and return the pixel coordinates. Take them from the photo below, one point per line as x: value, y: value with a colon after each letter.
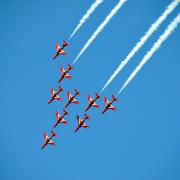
x: 139, y: 141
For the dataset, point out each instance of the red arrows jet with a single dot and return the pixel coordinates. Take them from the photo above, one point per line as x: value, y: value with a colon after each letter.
x: 65, y: 73
x: 81, y: 123
x: 48, y: 139
x: 55, y: 94
x: 72, y: 98
x: 60, y: 118
x: 60, y: 50
x: 109, y: 104
x: 92, y: 102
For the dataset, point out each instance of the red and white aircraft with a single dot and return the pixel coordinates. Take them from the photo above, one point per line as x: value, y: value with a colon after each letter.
x: 55, y: 95
x: 65, y: 73
x: 60, y: 50
x: 92, y: 102
x: 81, y: 122
x: 48, y: 139
x: 60, y: 118
x: 72, y: 98
x: 109, y: 104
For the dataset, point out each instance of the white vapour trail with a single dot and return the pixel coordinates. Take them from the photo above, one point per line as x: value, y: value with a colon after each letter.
x: 101, y: 27
x: 143, y: 39
x: 86, y: 16
x: 171, y: 27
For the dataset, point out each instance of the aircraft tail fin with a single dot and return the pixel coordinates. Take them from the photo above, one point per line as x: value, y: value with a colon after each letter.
x: 63, y: 121
x: 70, y: 67
x: 65, y: 43
x: 60, y: 88
x: 86, y: 116
x: 57, y: 47
x: 65, y: 112
x: 62, y: 70
x: 76, y: 91
x: 113, y: 97
x: 97, y: 95
x: 105, y: 100
x: 53, y: 133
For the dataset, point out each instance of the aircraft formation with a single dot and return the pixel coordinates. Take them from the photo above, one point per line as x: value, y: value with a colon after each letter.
x: 72, y: 100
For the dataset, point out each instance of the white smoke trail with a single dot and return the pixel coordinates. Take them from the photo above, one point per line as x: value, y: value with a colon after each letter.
x: 143, y: 39
x: 171, y: 27
x: 101, y: 27
x: 86, y: 16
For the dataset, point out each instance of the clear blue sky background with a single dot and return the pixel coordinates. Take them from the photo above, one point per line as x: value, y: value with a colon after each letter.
x: 141, y: 141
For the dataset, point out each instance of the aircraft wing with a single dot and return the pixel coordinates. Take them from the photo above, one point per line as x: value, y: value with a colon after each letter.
x: 57, y: 115
x: 57, y: 47
x: 79, y: 120
x: 112, y: 108
x: 95, y: 105
x: 53, y: 92
x: 68, y: 76
x: 89, y: 99
x: 75, y: 101
x: 62, y: 52
x: 85, y: 126
x: 64, y: 121
x: 46, y: 136
x: 62, y: 70
x: 58, y: 98
x: 69, y: 96
x: 51, y: 143
x: 106, y: 101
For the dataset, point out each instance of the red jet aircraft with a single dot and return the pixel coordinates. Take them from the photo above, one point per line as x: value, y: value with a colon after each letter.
x: 109, y: 104
x: 60, y: 118
x: 72, y: 98
x: 65, y: 73
x: 48, y: 139
x: 92, y: 102
x: 60, y: 50
x: 55, y: 94
x: 81, y: 123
